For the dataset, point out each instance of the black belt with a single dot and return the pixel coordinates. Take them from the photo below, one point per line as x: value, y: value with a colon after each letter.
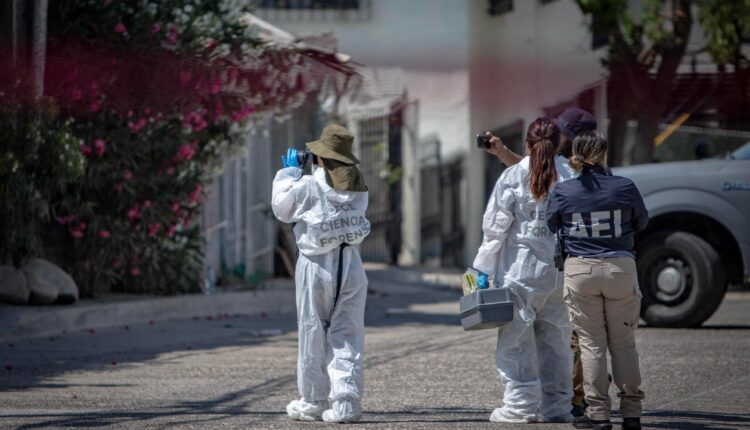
x: 339, y: 275
x: 339, y: 280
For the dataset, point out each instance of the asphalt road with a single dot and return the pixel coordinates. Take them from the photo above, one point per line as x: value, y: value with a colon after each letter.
x: 422, y: 372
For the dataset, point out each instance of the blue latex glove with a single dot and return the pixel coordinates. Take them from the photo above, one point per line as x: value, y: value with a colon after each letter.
x: 290, y: 160
x: 483, y: 281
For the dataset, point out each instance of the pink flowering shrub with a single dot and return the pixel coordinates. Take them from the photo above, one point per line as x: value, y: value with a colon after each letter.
x: 156, y: 92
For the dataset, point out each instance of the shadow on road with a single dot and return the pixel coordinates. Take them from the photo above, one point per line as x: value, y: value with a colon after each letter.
x: 31, y: 363
x: 202, y: 413
x: 691, y: 420
x: 724, y: 327
x: 431, y: 415
x: 106, y: 419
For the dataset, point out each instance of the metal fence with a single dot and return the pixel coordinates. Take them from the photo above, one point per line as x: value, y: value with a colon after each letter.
x: 689, y: 143
x: 442, y: 232
x: 240, y: 230
x: 237, y: 224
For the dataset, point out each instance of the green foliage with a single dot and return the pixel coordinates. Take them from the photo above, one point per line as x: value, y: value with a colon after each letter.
x: 608, y: 13
x: 38, y: 157
x: 145, y: 99
x: 631, y: 29
x: 726, y: 25
x: 654, y: 23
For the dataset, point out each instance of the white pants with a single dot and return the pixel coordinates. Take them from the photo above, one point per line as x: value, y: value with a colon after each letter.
x: 533, y: 355
x: 331, y: 341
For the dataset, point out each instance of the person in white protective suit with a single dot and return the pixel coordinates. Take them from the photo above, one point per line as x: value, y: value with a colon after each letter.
x: 328, y: 208
x: 533, y: 353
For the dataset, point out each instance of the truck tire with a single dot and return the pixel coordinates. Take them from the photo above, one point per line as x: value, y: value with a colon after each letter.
x: 681, y: 278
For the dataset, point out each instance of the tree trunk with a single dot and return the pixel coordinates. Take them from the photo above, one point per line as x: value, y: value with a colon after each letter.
x: 741, y: 80
x: 648, y: 129
x: 619, y: 103
x: 616, y: 134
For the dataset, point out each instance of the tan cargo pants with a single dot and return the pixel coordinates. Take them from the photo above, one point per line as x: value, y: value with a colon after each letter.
x: 577, y: 371
x: 604, y: 301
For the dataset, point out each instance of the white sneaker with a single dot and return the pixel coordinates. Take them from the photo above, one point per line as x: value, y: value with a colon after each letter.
x: 299, y: 410
x: 500, y: 415
x: 330, y: 417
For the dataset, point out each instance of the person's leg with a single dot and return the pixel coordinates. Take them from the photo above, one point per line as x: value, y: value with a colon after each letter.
x: 552, y: 331
x: 516, y: 361
x: 313, y: 293
x: 622, y: 304
x: 583, y: 295
x: 346, y: 340
x: 577, y: 372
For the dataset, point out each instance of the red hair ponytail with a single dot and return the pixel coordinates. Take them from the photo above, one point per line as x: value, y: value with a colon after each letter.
x: 542, y: 136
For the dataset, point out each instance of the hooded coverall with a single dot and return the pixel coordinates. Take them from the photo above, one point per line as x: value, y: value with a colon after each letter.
x: 533, y: 353
x: 329, y: 225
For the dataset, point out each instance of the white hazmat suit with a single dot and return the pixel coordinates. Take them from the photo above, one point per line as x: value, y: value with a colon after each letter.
x: 331, y: 337
x: 533, y: 351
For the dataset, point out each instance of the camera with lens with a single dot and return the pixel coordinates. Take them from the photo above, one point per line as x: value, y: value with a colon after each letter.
x: 483, y: 141
x: 303, y: 157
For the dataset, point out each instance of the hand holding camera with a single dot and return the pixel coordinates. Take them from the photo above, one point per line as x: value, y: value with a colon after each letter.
x: 490, y: 143
x: 294, y: 158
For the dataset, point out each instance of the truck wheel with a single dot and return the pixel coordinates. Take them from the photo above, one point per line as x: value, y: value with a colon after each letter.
x: 681, y: 278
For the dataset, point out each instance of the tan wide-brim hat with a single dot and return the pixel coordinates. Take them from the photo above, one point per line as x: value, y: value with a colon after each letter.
x: 344, y: 176
x: 335, y: 143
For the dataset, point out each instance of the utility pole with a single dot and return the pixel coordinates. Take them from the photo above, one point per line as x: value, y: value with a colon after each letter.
x: 23, y: 37
x: 39, y: 46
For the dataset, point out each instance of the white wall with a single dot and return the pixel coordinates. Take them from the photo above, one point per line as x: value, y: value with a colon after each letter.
x: 414, y: 34
x: 417, y: 45
x: 469, y: 71
x: 535, y: 56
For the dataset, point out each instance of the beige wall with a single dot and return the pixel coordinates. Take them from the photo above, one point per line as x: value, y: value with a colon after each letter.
x: 533, y: 57
x: 469, y: 71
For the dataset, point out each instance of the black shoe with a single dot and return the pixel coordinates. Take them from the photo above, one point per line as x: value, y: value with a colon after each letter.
x: 631, y: 424
x: 585, y: 422
x: 578, y: 411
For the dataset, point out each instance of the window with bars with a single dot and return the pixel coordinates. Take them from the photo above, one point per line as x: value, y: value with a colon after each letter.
x: 499, y: 7
x: 310, y: 4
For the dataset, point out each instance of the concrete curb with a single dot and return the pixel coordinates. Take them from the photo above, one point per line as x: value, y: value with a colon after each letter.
x: 274, y: 297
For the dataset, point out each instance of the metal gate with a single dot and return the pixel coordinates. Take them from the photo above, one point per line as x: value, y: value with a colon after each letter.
x: 378, y: 137
x: 238, y: 230
x: 442, y: 234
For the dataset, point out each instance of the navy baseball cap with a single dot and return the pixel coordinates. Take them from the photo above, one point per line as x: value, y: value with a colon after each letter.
x: 574, y: 121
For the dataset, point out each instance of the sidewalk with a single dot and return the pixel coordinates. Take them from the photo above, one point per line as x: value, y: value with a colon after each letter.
x: 274, y: 297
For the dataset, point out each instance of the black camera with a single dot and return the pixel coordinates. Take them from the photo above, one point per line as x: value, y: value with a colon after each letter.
x: 303, y: 157
x: 483, y: 141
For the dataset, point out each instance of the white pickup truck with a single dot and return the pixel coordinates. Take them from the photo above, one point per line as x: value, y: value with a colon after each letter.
x: 698, y: 239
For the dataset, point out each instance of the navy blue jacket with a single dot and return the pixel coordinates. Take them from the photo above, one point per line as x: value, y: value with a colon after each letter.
x: 598, y: 214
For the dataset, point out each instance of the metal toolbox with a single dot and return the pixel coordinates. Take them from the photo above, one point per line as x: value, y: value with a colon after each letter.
x: 487, y: 308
